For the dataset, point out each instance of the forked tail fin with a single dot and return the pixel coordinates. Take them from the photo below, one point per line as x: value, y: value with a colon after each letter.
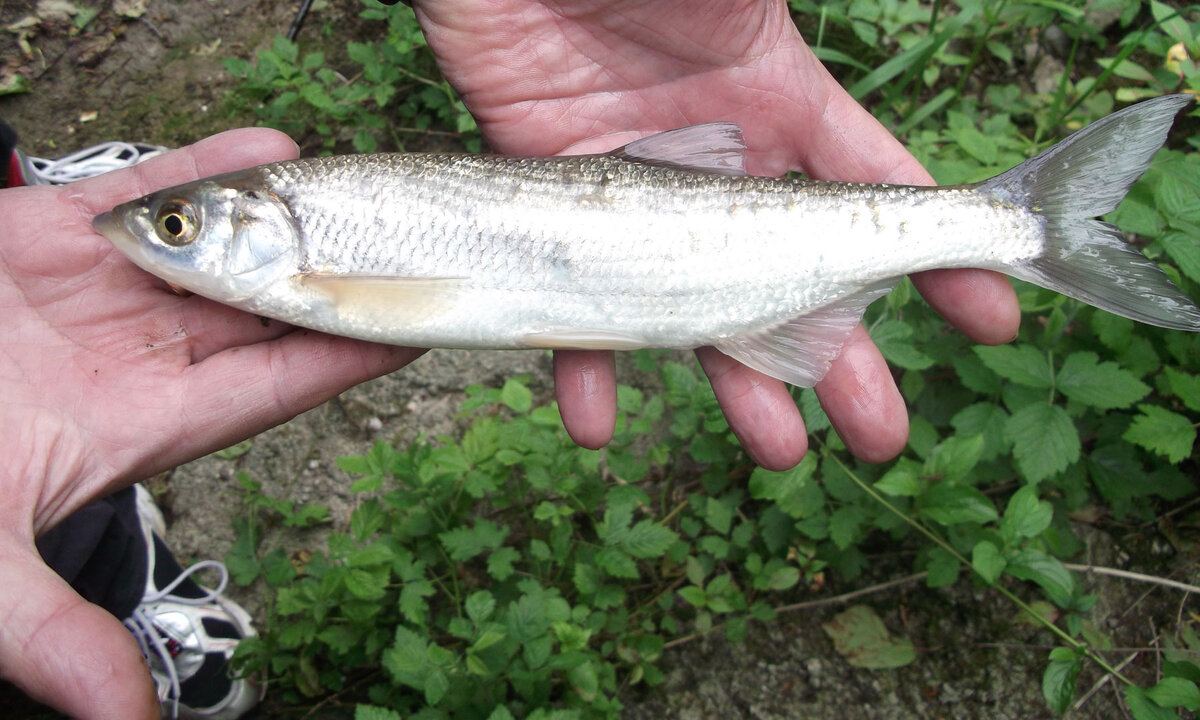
x: 1075, y: 181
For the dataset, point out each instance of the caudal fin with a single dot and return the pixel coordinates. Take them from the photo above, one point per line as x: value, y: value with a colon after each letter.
x: 1082, y: 177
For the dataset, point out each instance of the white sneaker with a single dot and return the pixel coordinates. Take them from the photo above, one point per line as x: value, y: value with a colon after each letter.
x: 85, y: 163
x: 189, y: 633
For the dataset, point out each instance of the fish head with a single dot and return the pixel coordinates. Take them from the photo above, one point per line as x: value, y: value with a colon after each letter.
x: 226, y: 237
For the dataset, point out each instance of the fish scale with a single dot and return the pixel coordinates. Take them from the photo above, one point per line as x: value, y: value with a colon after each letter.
x: 663, y: 243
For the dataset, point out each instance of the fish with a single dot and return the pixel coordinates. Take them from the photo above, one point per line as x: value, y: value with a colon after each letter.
x: 666, y: 242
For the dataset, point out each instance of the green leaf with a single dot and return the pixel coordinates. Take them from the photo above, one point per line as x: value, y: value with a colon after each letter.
x: 500, y: 562
x: 465, y: 543
x: 943, y: 568
x: 844, y: 525
x: 371, y: 712
x: 1143, y: 708
x: 516, y: 396
x: 901, y: 480
x: 365, y: 585
x: 860, y: 636
x: 1184, y: 249
x: 1044, y: 440
x: 718, y: 515
x: 1026, y: 516
x: 952, y: 503
x: 1185, y: 386
x: 987, y: 561
x: 412, y: 601
x: 1162, y: 432
x: 954, y: 457
x: 1058, y: 682
x: 648, y: 539
x: 1175, y: 692
x: 1022, y: 364
x: 694, y: 596
x: 480, y: 605
x: 1043, y: 569
x: 1104, y: 386
x: 617, y: 563
x: 784, y: 578
x: 893, y: 340
x: 436, y: 685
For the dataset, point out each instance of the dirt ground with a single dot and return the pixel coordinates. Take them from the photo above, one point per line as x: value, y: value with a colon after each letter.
x: 154, y: 74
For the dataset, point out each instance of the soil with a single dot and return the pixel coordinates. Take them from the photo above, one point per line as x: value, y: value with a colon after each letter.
x: 154, y: 75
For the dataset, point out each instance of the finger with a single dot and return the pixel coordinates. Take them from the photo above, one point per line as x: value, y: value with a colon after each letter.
x: 863, y: 403
x: 66, y: 652
x: 245, y: 390
x: 759, y: 409
x: 980, y: 303
x: 224, y: 152
x: 585, y: 382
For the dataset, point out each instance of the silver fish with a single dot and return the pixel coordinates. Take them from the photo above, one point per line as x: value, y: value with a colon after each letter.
x: 665, y: 242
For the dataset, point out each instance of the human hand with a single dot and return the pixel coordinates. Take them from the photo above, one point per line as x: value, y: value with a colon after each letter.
x: 107, y: 378
x: 544, y: 77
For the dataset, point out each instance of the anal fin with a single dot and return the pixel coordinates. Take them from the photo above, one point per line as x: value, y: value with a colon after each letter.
x: 801, y: 350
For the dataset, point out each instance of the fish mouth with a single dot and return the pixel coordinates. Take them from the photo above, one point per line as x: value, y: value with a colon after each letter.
x: 111, y: 227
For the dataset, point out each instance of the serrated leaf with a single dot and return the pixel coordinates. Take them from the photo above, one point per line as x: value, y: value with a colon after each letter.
x: 1175, y: 692
x: 1022, y: 364
x: 1044, y: 440
x: 436, y: 685
x: 648, y: 539
x: 901, y: 480
x: 954, y: 457
x: 952, y: 503
x: 1162, y: 432
x: 1058, y: 682
x: 465, y: 543
x: 365, y: 585
x: 616, y: 563
x: 892, y: 339
x: 1026, y: 516
x: 694, y: 596
x: 1104, y: 386
x: 860, y: 636
x: 985, y: 419
x: 1043, y: 569
x: 371, y: 712
x: 1143, y: 708
x: 516, y: 396
x: 783, y: 578
x: 943, y: 568
x: 987, y: 561
x: 1184, y: 249
x: 500, y: 562
x: 480, y: 605
x: 1185, y: 386
x: 844, y: 525
x: 412, y: 601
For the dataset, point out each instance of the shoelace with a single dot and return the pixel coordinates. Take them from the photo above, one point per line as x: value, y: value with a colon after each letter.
x: 86, y: 163
x: 141, y: 623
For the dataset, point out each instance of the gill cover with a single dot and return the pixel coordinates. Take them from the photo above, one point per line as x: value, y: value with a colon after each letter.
x: 263, y: 241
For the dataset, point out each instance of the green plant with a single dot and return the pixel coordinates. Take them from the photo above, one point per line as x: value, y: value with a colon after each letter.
x: 384, y: 89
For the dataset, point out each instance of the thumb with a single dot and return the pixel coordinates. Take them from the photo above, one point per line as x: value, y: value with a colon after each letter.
x: 64, y: 651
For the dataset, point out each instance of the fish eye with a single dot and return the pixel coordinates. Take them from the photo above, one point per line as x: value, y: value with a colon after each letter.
x: 176, y: 223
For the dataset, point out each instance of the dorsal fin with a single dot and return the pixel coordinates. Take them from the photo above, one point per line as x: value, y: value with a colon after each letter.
x: 716, y: 147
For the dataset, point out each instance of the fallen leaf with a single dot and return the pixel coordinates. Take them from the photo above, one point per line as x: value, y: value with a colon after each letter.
x: 860, y: 636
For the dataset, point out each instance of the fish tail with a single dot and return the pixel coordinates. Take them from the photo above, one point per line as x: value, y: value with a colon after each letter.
x: 1075, y: 181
